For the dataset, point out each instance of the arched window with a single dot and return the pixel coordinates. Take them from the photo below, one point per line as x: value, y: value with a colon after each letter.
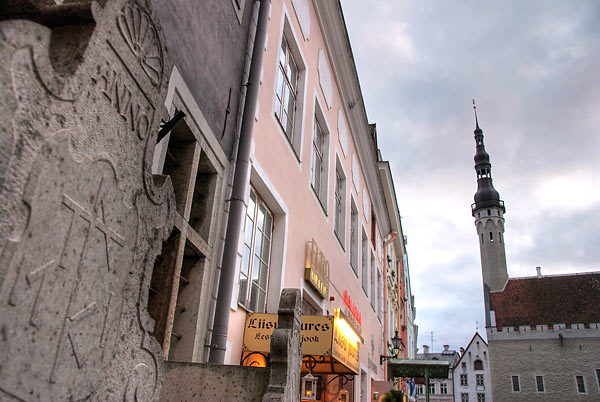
x: 478, y: 365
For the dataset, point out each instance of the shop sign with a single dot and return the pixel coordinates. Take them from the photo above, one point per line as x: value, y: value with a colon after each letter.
x: 352, y: 308
x: 316, y: 269
x: 345, y: 342
x: 315, y: 333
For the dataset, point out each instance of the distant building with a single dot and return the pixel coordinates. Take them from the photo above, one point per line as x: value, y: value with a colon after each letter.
x: 439, y: 390
x: 543, y: 331
x: 472, y: 381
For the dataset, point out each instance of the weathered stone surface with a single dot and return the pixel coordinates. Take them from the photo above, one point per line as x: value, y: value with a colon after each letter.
x: 81, y: 216
x: 212, y: 382
x: 286, y: 353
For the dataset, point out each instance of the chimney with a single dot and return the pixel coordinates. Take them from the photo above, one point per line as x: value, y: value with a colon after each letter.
x: 425, y: 348
x: 539, y: 271
x: 446, y: 351
x: 462, y: 351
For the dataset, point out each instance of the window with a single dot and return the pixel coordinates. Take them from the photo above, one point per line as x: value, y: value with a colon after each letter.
x: 464, y: 397
x: 598, y: 377
x: 373, y: 283
x: 379, y: 296
x: 480, y: 397
x: 420, y: 390
x: 478, y: 365
x: 464, y: 365
x: 444, y: 388
x: 354, y: 236
x: 479, y: 380
x: 287, y: 89
x: 464, y: 382
x: 256, y: 255
x: 516, y: 387
x: 365, y: 263
x: 539, y: 382
x: 340, y: 204
x: 580, y: 384
x: 491, y: 236
x: 432, y: 389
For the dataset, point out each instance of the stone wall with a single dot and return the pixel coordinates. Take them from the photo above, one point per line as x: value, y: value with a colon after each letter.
x: 215, y: 383
x: 559, y: 363
x: 82, y: 218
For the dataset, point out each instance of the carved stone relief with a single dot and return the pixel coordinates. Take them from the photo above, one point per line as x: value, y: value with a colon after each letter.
x: 81, y: 216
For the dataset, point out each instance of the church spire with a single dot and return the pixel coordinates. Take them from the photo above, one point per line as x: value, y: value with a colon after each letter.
x: 486, y: 195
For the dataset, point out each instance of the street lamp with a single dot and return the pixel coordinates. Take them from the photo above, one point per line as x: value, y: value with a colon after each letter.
x: 309, y: 388
x: 397, y: 345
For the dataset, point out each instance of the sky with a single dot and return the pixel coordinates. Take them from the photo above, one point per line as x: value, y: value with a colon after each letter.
x: 533, y: 68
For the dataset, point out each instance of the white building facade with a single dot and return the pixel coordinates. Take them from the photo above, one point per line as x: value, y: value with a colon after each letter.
x: 472, y: 381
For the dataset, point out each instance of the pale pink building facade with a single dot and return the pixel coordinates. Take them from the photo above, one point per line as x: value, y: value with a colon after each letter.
x: 314, y: 177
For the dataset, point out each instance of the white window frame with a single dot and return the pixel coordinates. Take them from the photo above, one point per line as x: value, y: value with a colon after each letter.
x: 246, y: 302
x: 373, y: 282
x: 480, y: 397
x: 479, y: 383
x: 537, y: 388
x: 294, y: 138
x: 577, y: 385
x: 319, y: 177
x: 443, y: 388
x: 464, y: 397
x: 364, y: 262
x: 512, y: 383
x: 466, y: 382
x: 339, y: 203
x: 354, y: 236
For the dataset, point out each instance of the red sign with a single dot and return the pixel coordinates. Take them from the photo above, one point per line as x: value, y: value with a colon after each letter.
x: 352, y: 307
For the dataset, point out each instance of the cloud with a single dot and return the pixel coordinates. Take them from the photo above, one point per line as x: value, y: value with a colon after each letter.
x: 532, y: 67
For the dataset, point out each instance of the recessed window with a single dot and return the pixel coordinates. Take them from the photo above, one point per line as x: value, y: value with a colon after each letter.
x: 479, y: 380
x: 320, y: 158
x: 464, y: 365
x: 516, y: 385
x: 491, y: 236
x: 432, y: 389
x: 365, y: 263
x: 464, y: 397
x: 539, y: 383
x: 598, y: 377
x: 478, y: 365
x: 373, y: 285
x: 443, y: 388
x: 464, y: 382
x: 489, y: 212
x: 354, y: 236
x: 256, y: 255
x: 340, y: 204
x: 580, y: 384
x: 480, y: 397
x: 287, y: 89
x: 290, y: 83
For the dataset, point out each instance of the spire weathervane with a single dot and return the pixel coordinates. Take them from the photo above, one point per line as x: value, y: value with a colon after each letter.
x: 475, y: 109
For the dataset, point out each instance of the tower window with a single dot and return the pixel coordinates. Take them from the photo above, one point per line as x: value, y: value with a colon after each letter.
x: 489, y: 212
x: 491, y: 236
x: 482, y: 237
x: 500, y: 237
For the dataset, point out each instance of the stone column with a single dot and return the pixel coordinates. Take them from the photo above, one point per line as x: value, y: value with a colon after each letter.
x: 286, y: 352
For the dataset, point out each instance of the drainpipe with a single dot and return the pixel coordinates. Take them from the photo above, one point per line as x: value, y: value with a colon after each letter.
x: 237, y: 207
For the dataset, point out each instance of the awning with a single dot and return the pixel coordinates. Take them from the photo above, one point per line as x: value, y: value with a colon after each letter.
x: 329, y: 343
x: 418, y: 368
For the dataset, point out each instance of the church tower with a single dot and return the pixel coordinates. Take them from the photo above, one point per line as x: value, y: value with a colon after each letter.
x: 488, y: 211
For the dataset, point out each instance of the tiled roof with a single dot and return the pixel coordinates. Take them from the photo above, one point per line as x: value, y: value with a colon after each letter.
x: 558, y: 299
